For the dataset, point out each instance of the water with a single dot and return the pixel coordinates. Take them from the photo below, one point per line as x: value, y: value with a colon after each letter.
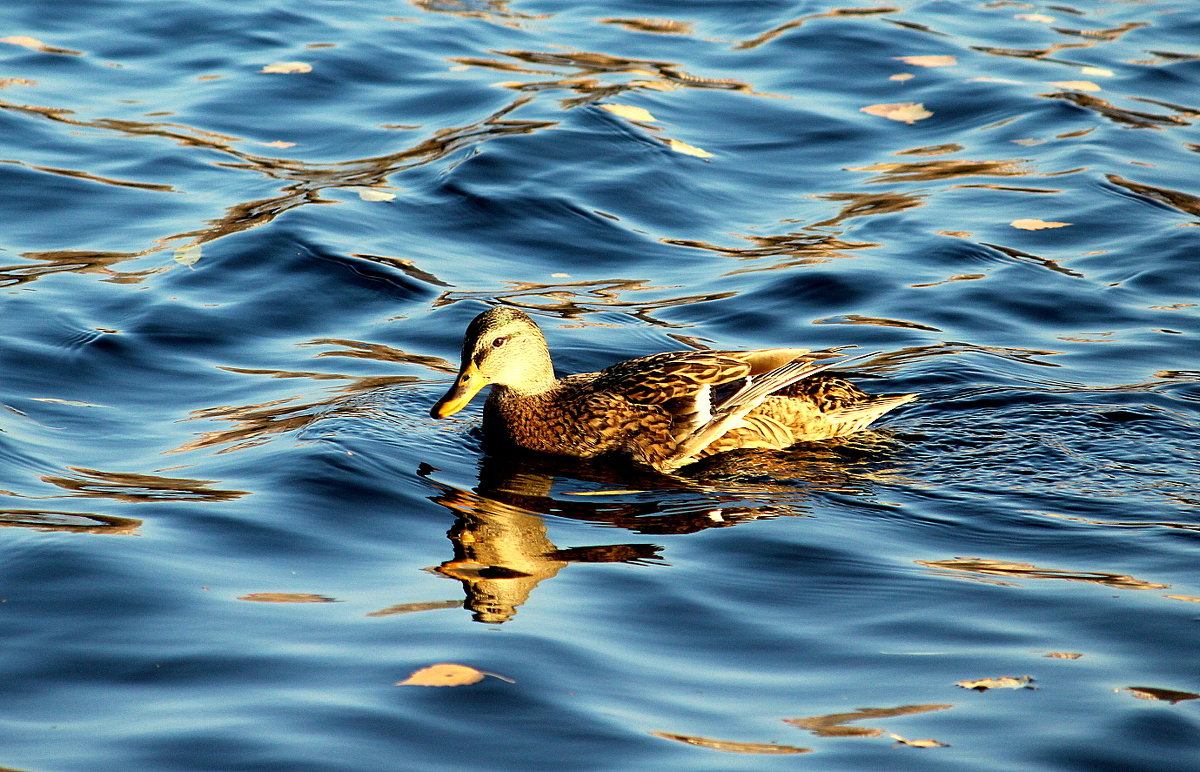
x: 230, y: 297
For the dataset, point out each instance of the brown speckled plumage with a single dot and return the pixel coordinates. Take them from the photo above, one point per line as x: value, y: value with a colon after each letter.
x: 664, y: 410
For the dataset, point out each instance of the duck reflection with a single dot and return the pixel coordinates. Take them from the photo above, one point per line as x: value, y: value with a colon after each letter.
x: 502, y: 549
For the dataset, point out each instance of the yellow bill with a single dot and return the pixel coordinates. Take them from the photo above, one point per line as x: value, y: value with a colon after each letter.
x: 465, y: 388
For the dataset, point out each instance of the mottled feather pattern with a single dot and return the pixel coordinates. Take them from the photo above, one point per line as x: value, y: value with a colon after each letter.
x: 664, y: 410
x: 661, y: 377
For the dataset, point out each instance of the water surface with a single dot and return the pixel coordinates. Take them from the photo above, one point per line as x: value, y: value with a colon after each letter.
x: 241, y: 243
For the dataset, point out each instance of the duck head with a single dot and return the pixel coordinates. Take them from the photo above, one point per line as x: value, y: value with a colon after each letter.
x: 502, y: 346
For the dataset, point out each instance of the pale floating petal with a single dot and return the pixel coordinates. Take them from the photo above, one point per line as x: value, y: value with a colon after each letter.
x: 1077, y: 85
x: 278, y: 143
x: 287, y: 68
x: 373, y: 194
x: 1028, y: 142
x: 71, y: 402
x: 36, y: 45
x: 1040, y: 18
x: 902, y: 76
x: 188, y: 255
x: 729, y: 746
x: 1062, y: 655
x: 918, y: 743
x: 1034, y: 224
x: 928, y: 61
x: 1103, y: 73
x: 25, y: 41
x: 905, y: 112
x: 448, y: 674
x: 682, y: 147
x: 1004, y: 682
x: 629, y: 112
x: 560, y: 275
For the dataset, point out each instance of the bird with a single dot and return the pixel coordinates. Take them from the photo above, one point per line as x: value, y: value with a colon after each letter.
x: 664, y: 411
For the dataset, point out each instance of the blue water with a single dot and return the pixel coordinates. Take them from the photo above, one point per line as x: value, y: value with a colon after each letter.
x: 230, y: 296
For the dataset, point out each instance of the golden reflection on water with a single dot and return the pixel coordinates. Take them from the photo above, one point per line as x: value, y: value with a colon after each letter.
x: 502, y: 550
x: 494, y: 11
x: 944, y: 169
x: 657, y: 26
x: 989, y: 567
x: 1164, y: 695
x: 572, y: 300
x: 795, y: 249
x: 75, y: 522
x: 732, y: 746
x: 256, y: 423
x: 305, y: 182
x: 776, y: 31
x: 138, y: 488
x: 1184, y: 202
x: 1133, y: 118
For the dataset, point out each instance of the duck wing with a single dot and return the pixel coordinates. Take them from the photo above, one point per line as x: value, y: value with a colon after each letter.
x: 660, y: 378
x: 731, y: 411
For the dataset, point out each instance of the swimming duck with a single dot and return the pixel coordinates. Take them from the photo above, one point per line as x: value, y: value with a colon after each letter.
x: 664, y: 410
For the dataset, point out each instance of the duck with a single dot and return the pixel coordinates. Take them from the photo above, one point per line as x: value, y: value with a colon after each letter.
x: 664, y: 411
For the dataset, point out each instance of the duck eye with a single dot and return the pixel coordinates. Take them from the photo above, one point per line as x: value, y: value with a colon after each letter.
x: 498, y: 342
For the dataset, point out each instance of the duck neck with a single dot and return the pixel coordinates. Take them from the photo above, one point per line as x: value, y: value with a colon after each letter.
x: 537, y: 377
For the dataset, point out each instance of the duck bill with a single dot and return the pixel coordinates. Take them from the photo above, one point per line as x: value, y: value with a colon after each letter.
x: 469, y: 382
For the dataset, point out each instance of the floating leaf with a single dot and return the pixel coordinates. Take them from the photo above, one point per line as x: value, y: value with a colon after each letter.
x: 918, y: 743
x: 629, y: 112
x: 834, y: 724
x: 683, y: 147
x: 287, y: 68
x: 1164, y: 695
x: 1034, y: 224
x: 1188, y: 598
x: 188, y: 255
x: 928, y: 61
x: 1062, y: 655
x: 448, y: 674
x: 1004, y: 682
x: 906, y: 112
x: 287, y: 597
x: 1040, y: 18
x: 24, y: 40
x: 732, y: 747
x: 1076, y: 85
